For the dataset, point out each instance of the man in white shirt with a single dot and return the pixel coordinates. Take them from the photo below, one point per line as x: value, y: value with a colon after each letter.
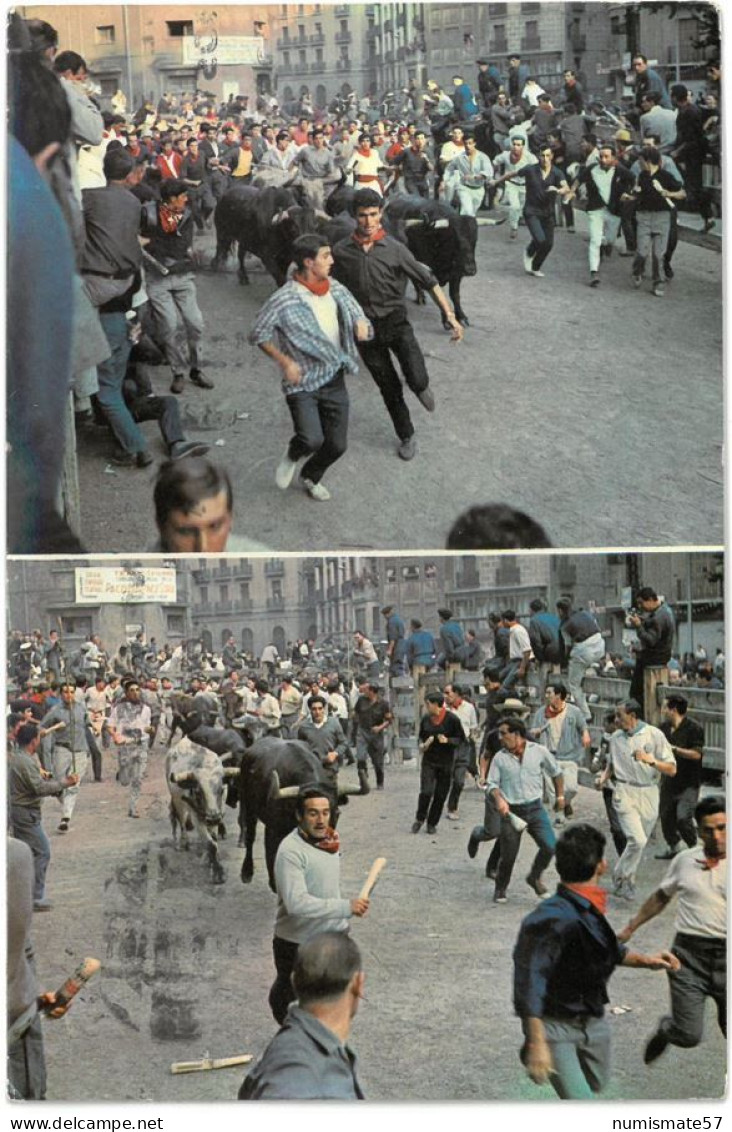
x: 309, y: 327
x: 638, y: 755
x: 699, y: 878
x: 520, y: 653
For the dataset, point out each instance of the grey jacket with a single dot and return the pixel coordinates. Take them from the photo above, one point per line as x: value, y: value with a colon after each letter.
x: 305, y: 1061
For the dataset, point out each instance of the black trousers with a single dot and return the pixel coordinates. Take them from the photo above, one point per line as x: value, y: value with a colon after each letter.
x: 281, y: 993
x: 434, y: 786
x: 394, y: 335
x: 676, y: 811
x: 321, y: 427
x: 542, y: 237
x: 702, y: 975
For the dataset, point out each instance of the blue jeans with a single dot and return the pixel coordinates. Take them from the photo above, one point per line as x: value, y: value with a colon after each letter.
x: 111, y: 375
x: 509, y: 675
x: 539, y: 829
x: 26, y: 822
x: 580, y: 1050
x: 321, y: 427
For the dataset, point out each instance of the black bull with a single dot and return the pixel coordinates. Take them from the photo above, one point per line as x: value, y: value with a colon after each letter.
x: 264, y: 222
x: 267, y: 767
x: 438, y: 236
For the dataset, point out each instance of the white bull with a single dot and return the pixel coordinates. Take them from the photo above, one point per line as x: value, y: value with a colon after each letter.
x: 196, y: 780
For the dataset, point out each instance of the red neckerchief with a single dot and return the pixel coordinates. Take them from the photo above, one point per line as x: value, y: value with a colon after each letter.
x: 438, y: 720
x: 331, y: 843
x: 596, y: 895
x: 319, y: 287
x: 708, y: 862
x: 364, y: 152
x: 169, y: 220
x: 379, y: 234
x: 552, y: 713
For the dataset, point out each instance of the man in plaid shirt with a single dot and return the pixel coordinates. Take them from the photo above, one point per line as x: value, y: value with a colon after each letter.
x: 309, y: 328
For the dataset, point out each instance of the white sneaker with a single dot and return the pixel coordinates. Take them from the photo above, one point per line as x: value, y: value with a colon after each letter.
x: 528, y: 260
x: 285, y: 471
x: 316, y: 491
x: 453, y: 815
x: 538, y: 274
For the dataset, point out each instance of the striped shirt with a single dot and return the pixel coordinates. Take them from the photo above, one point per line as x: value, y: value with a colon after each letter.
x: 288, y: 321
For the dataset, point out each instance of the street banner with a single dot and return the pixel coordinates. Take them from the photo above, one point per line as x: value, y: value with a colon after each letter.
x: 228, y: 49
x: 117, y: 585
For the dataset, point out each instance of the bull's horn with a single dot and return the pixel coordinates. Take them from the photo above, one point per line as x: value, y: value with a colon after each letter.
x: 280, y: 216
x: 182, y: 776
x: 288, y: 792
x: 484, y: 222
x: 320, y: 215
x: 443, y: 222
x: 231, y: 771
x: 412, y: 223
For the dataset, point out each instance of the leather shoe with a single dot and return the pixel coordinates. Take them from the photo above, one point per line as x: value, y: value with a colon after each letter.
x: 178, y: 383
x: 416, y: 826
x: 198, y: 378
x: 655, y: 1046
x: 432, y: 829
x: 182, y: 448
x: 426, y: 398
x: 666, y: 855
x: 407, y: 448
x: 143, y: 459
x: 42, y: 906
x: 538, y: 885
x: 473, y: 844
x: 499, y: 896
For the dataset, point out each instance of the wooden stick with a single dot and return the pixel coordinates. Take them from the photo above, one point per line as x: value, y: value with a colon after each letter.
x: 372, y: 878
x: 210, y: 1063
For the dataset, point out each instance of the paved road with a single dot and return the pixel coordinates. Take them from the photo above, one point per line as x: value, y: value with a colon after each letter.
x: 597, y: 411
x: 186, y: 966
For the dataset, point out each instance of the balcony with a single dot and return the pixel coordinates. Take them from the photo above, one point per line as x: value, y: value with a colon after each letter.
x: 343, y: 37
x: 223, y: 607
x: 531, y: 43
x: 301, y: 68
x: 275, y: 568
x: 498, y: 47
x: 243, y: 605
x: 221, y: 573
x: 341, y: 11
x: 275, y: 603
x: 317, y: 68
x: 496, y: 10
x: 201, y: 576
x: 284, y: 44
x: 343, y: 64
x: 286, y: 68
x: 317, y: 39
x: 244, y: 571
x: 202, y: 607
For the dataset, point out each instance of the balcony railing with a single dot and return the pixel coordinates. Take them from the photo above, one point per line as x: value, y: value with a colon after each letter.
x: 498, y: 46
x: 317, y: 68
x: 343, y: 64
x: 317, y: 39
x: 343, y: 37
x: 245, y: 571
x: 301, y: 68
x: 578, y: 43
x: 341, y: 11
x: 221, y: 573
x: 275, y: 603
x: 203, y: 607
x: 224, y: 607
x: 531, y: 43
x: 275, y: 568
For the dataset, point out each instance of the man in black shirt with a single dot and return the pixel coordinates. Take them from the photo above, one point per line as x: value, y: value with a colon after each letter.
x: 680, y: 794
x: 655, y: 193
x: 542, y: 182
x: 656, y: 630
x: 689, y: 150
x: 371, y: 717
x: 414, y: 165
x: 440, y: 734
x: 376, y: 268
x: 171, y: 288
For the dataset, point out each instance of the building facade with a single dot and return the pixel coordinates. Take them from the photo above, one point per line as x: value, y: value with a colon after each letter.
x: 322, y: 50
x: 42, y: 595
x: 147, y: 50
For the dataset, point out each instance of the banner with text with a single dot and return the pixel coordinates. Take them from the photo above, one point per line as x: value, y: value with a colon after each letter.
x: 122, y: 585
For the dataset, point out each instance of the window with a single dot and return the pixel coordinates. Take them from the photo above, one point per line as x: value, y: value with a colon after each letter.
x: 531, y: 29
x: 318, y: 54
x: 76, y: 626
x: 318, y: 29
x: 344, y: 52
x: 104, y: 33
x: 286, y: 59
x: 303, y: 57
x: 224, y: 593
x: 301, y: 30
x: 244, y: 591
x: 204, y: 594
x: 344, y: 27
x: 179, y: 28
x: 410, y: 572
x: 175, y: 623
x: 277, y: 590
